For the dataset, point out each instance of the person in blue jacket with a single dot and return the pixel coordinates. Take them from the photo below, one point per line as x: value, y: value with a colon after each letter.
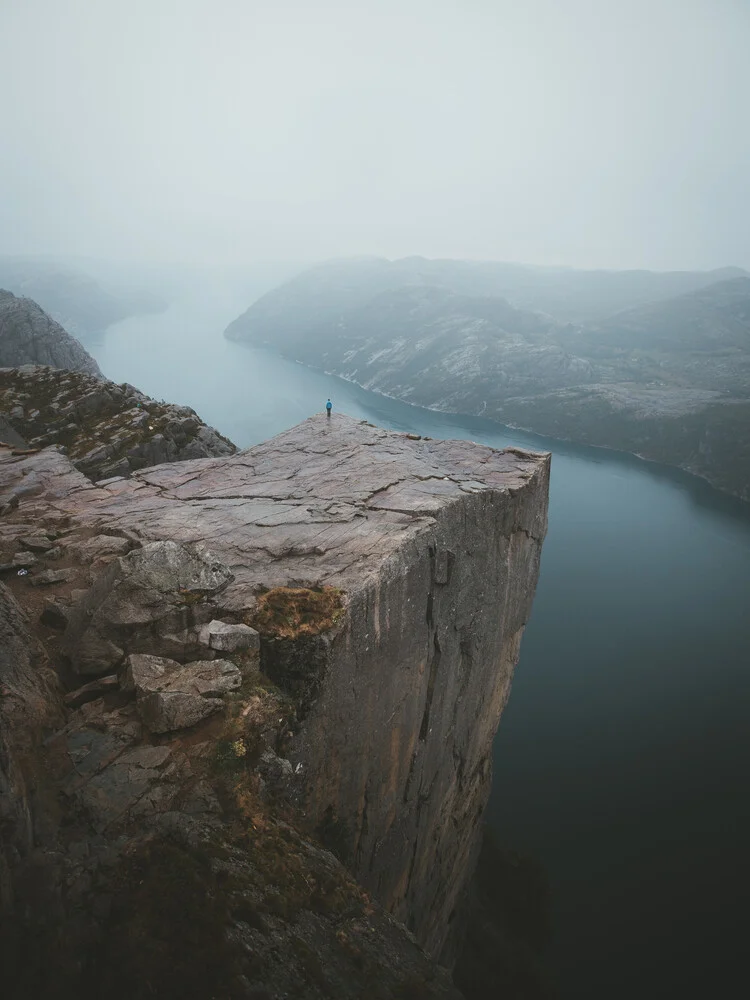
x: 329, y: 407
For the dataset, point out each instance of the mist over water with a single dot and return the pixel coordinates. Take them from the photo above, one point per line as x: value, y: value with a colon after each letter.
x: 620, y: 763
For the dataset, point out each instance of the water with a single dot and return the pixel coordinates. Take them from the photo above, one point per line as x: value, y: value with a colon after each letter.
x: 621, y: 761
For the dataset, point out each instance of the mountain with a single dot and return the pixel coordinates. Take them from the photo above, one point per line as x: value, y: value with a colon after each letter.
x: 320, y: 294
x: 668, y: 379
x: 702, y: 337
x: 73, y: 297
x: 29, y: 336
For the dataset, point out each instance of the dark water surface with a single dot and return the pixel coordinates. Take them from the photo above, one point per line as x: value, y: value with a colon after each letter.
x: 622, y: 759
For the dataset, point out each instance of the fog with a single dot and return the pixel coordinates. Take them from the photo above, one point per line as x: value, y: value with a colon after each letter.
x: 578, y: 132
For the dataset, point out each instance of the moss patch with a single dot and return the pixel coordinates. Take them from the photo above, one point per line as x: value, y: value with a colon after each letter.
x: 290, y: 612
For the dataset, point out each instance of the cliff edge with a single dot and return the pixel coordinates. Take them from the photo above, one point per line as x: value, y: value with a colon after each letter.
x: 310, y: 641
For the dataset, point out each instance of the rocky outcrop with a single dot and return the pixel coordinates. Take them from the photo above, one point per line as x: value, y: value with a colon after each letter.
x: 121, y: 872
x: 28, y: 336
x: 83, y: 305
x: 389, y: 578
x: 151, y: 600
x: 30, y: 702
x: 668, y: 380
x: 107, y: 430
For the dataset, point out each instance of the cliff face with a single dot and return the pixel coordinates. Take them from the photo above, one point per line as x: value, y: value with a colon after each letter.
x: 389, y: 578
x: 105, y: 429
x: 396, y: 751
x: 75, y: 299
x: 29, y: 336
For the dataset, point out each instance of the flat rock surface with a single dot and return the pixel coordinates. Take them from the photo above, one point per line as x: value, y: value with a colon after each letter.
x: 328, y: 501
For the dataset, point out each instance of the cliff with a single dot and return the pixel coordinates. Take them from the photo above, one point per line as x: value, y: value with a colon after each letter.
x: 105, y: 429
x: 668, y: 381
x: 83, y: 304
x: 313, y: 638
x: 29, y: 336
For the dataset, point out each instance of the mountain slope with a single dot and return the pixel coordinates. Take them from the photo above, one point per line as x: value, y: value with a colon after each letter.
x: 29, y: 336
x: 77, y: 300
x: 321, y: 293
x: 105, y: 429
x: 668, y: 380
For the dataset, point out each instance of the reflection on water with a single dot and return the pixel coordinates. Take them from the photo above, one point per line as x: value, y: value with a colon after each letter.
x: 621, y: 759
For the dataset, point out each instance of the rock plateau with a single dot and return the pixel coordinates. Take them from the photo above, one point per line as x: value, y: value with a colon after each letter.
x: 308, y: 641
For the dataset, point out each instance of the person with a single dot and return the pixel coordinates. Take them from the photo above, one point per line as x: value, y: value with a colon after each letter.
x: 329, y: 407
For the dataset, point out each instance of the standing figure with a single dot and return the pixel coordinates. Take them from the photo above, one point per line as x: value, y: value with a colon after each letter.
x: 329, y: 407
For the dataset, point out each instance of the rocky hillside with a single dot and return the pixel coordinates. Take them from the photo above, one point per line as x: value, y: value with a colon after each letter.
x: 218, y: 672
x: 669, y: 381
x: 140, y: 857
x: 29, y: 336
x: 105, y: 429
x: 74, y: 298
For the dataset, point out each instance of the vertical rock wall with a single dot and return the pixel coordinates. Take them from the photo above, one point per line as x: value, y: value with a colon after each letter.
x: 396, y: 752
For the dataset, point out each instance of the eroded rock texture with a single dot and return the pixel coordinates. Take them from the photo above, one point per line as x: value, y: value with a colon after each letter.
x: 29, y: 336
x: 105, y: 429
x: 434, y: 548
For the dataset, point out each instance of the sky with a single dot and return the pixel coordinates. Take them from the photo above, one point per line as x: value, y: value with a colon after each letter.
x: 587, y: 133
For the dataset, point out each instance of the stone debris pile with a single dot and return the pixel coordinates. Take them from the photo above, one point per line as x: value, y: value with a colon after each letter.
x: 107, y: 430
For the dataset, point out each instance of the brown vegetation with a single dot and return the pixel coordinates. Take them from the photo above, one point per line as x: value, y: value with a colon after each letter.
x: 291, y: 612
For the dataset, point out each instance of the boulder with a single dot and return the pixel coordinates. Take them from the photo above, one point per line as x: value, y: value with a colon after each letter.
x: 229, y: 638
x: 98, y: 546
x: 49, y: 576
x: 55, y: 614
x: 145, y: 674
x: 175, y: 696
x: 22, y: 560
x: 165, y: 711
x: 151, y: 600
x: 36, y: 543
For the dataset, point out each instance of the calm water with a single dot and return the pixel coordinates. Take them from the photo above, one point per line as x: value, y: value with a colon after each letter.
x: 622, y: 759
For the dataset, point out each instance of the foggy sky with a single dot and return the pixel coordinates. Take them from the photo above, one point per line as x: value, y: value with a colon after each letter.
x: 581, y: 132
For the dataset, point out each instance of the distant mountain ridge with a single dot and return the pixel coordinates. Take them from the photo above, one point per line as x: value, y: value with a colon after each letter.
x: 667, y: 378
x: 319, y: 293
x: 71, y: 296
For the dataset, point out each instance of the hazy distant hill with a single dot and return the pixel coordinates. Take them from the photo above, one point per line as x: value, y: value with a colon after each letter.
x: 72, y: 296
x: 709, y: 327
x: 28, y: 336
x: 669, y: 379
x: 323, y: 292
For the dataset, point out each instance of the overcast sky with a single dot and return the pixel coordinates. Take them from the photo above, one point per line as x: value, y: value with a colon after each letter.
x: 582, y: 132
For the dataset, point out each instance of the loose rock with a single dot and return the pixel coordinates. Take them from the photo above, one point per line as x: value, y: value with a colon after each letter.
x: 165, y: 711
x: 50, y: 576
x: 55, y: 614
x: 229, y: 638
x: 146, y: 601
x: 91, y: 691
